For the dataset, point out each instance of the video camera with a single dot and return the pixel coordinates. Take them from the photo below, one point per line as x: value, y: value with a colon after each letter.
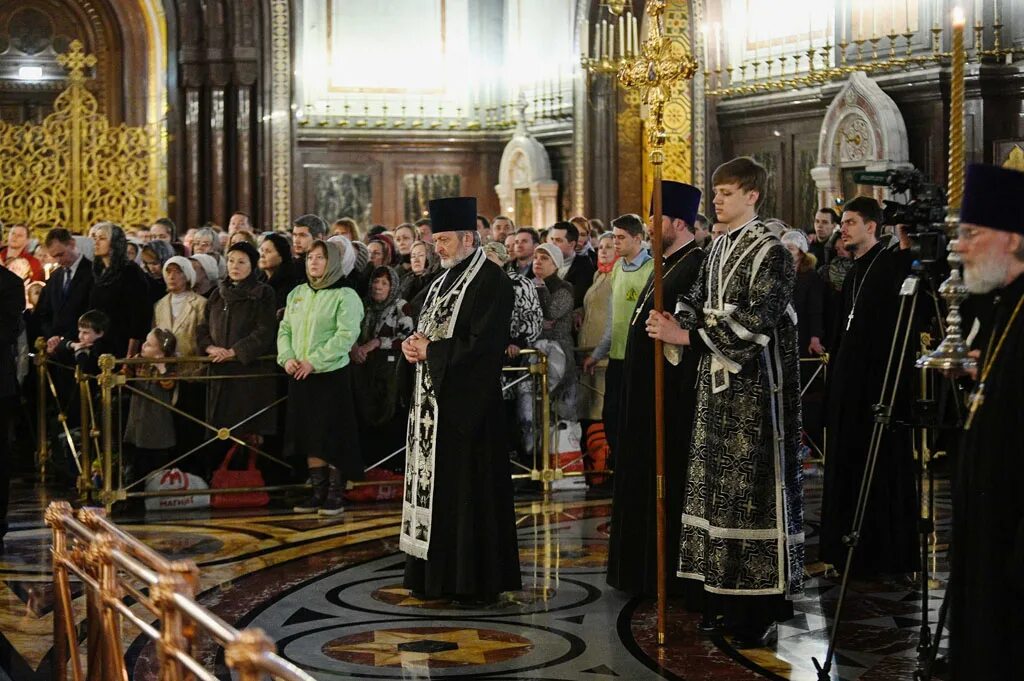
x: 923, y: 213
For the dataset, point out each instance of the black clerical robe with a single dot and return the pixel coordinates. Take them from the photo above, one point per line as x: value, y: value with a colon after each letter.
x: 888, y: 540
x: 466, y: 491
x: 987, y: 554
x: 632, y: 549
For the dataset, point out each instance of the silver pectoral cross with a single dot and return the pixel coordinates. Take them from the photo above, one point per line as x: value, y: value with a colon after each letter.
x: 849, y: 320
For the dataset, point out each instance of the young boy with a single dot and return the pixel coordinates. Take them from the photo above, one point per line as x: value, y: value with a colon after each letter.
x: 91, y: 343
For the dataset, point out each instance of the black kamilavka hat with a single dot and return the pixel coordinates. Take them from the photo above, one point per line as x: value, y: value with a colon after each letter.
x: 455, y: 214
x: 678, y: 200
x: 992, y: 198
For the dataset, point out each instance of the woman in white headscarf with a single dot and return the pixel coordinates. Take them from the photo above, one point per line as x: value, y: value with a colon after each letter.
x: 321, y: 324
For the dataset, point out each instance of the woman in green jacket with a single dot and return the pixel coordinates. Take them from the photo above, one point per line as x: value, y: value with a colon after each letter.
x: 321, y: 323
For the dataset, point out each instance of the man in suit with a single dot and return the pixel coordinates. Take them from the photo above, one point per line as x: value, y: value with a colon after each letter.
x: 66, y: 294
x: 578, y: 270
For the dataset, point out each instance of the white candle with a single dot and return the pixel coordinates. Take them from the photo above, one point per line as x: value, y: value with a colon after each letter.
x: 635, y: 31
x: 874, y: 19
x: 584, y: 38
x: 892, y: 16
x: 718, y: 45
x: 842, y: 15
x: 622, y: 36
x: 860, y: 23
x: 611, y: 41
x: 597, y: 41
x: 995, y: 11
x: 604, y: 38
x: 630, y: 47
x: 707, y: 55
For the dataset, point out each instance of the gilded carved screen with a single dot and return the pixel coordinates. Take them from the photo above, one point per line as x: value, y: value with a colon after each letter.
x: 75, y: 169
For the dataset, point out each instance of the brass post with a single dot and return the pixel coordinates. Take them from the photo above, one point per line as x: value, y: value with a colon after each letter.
x: 43, y: 446
x: 172, y: 635
x: 243, y: 654
x: 112, y: 657
x: 65, y: 638
x: 545, y: 425
x: 85, y: 476
x: 107, y: 404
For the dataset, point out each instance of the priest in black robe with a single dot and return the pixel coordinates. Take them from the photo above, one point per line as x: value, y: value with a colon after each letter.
x: 987, y: 553
x: 632, y: 550
x: 888, y: 542
x: 458, y: 521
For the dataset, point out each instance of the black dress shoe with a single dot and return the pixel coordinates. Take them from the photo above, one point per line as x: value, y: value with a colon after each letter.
x: 755, y: 637
x: 711, y: 626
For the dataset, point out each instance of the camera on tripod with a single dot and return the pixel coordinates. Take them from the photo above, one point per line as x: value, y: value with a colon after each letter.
x: 923, y: 212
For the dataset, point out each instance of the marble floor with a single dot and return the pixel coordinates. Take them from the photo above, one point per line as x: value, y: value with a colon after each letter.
x: 329, y: 592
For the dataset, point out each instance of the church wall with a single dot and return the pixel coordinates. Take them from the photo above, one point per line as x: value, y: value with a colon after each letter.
x: 372, y: 180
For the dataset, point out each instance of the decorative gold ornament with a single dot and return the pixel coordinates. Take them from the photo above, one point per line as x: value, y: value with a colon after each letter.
x: 75, y: 169
x: 655, y: 70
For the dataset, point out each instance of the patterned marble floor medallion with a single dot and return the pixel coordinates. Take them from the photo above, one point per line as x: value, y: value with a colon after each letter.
x: 329, y: 594
x: 430, y: 647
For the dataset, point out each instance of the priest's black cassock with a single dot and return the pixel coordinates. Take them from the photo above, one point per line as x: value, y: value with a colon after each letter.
x: 888, y: 540
x: 632, y: 547
x: 458, y: 521
x: 986, y: 584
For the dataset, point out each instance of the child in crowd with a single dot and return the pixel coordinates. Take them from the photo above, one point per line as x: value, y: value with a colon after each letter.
x: 91, y: 343
x: 149, y: 431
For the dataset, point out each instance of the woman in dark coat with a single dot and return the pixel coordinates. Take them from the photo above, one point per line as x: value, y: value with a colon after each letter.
x: 276, y: 263
x: 120, y: 290
x: 239, y: 327
x: 380, y: 371
x: 425, y: 267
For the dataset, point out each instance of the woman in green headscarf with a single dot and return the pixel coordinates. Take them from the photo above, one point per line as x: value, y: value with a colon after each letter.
x: 321, y: 323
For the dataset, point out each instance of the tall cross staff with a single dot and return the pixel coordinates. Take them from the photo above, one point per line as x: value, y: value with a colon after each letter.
x: 652, y: 73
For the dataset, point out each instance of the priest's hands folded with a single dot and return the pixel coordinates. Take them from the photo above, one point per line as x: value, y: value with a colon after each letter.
x: 415, y: 347
x: 664, y: 327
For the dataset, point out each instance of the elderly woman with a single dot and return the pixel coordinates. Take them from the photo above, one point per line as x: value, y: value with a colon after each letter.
x: 556, y: 300
x: 181, y: 311
x: 239, y: 327
x: 424, y: 268
x: 808, y: 294
x: 595, y: 312
x: 120, y: 290
x: 277, y: 265
x: 205, y: 240
x: 154, y: 255
x: 320, y: 325
x: 207, y: 274
x: 378, y: 368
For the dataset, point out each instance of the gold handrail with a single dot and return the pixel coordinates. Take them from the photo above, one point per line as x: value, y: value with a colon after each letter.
x: 109, y: 562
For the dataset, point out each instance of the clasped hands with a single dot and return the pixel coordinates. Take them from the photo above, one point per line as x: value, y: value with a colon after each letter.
x: 415, y: 347
x: 298, y: 369
x: 664, y: 327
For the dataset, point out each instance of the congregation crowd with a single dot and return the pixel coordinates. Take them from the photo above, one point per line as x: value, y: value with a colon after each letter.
x: 238, y: 296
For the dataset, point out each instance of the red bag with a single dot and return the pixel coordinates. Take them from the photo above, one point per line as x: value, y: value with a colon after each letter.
x: 365, y: 493
x: 225, y: 478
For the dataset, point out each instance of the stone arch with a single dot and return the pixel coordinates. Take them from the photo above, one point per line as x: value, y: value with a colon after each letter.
x: 525, y: 165
x: 863, y: 128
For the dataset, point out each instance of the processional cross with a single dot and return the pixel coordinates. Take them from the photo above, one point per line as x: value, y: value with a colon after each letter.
x: 653, y: 72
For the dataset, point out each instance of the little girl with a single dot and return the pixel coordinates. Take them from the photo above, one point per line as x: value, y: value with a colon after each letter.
x: 149, y: 432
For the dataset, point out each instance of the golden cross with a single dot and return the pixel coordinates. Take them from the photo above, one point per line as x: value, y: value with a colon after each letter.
x: 75, y: 60
x: 655, y: 70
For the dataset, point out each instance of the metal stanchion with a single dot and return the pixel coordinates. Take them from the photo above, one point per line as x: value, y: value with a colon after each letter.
x: 85, y: 474
x: 42, y: 448
x: 107, y: 380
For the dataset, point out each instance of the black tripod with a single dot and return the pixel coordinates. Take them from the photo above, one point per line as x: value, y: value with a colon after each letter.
x: 926, y: 417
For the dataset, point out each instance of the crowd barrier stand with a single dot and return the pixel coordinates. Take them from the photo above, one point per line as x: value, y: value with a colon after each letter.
x: 97, y: 439
x: 818, y: 378
x: 117, y: 570
x: 99, y: 447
